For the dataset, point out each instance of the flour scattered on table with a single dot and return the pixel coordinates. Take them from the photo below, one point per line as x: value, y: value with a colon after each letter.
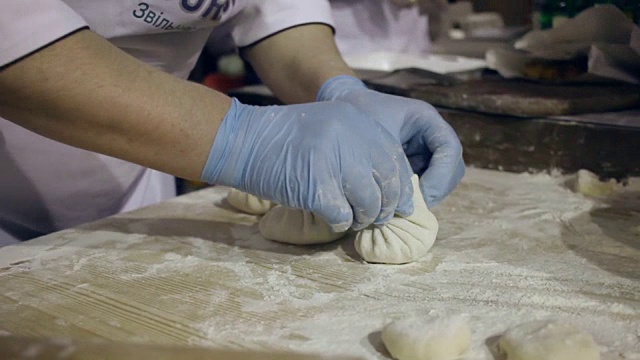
x: 511, y: 248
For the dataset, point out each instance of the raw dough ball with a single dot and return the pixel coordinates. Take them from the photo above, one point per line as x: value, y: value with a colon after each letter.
x: 401, y: 240
x: 548, y: 340
x: 248, y: 203
x: 588, y: 183
x: 295, y: 226
x: 428, y: 338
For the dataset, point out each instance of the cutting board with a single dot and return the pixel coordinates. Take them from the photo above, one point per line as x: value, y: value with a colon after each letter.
x: 512, y: 97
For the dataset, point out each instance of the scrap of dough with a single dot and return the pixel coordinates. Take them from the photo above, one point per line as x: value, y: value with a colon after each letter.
x: 296, y: 226
x: 248, y: 203
x: 549, y: 340
x: 428, y: 338
x: 588, y: 183
x: 402, y: 239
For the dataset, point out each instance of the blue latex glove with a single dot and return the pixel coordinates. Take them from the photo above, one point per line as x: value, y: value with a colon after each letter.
x: 328, y: 158
x: 432, y: 146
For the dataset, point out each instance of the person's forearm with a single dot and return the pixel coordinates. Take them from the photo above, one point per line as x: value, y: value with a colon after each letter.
x: 86, y: 93
x: 295, y: 63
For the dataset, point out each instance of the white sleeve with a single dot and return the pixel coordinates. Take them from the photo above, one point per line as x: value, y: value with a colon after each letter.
x: 27, y: 26
x: 260, y: 19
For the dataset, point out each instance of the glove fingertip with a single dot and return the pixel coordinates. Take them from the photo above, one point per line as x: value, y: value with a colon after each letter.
x: 431, y: 195
x: 433, y: 201
x: 383, y: 220
x: 406, y: 209
x: 341, y: 227
x: 356, y: 226
x: 338, y: 219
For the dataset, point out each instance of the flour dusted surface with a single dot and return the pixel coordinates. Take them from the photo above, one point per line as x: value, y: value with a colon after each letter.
x: 511, y: 248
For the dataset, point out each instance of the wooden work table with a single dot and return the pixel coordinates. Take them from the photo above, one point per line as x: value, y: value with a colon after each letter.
x: 193, y: 272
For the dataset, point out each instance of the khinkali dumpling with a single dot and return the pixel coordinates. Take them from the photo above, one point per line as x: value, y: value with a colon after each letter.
x: 402, y: 239
x: 296, y: 226
x: 248, y: 203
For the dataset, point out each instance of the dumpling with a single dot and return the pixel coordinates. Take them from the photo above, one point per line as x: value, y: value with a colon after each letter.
x: 426, y: 337
x: 548, y: 339
x: 402, y: 239
x: 248, y: 203
x: 296, y: 226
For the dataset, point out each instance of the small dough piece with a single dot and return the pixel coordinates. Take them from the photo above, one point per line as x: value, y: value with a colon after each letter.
x: 296, y: 226
x: 248, y: 203
x: 428, y: 338
x: 589, y: 184
x: 402, y: 239
x: 548, y: 340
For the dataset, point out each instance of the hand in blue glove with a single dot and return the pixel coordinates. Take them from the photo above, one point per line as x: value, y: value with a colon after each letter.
x: 328, y: 158
x: 432, y: 146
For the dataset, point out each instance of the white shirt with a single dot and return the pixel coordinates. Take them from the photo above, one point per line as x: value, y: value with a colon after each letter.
x: 365, y: 26
x: 47, y: 186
